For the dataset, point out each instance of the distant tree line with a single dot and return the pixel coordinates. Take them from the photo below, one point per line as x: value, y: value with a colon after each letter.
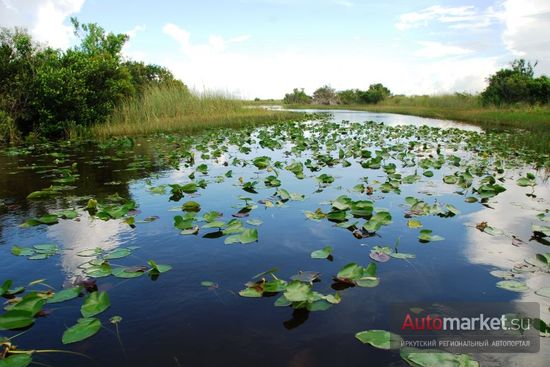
x: 514, y: 85
x: 46, y: 91
x: 327, y: 95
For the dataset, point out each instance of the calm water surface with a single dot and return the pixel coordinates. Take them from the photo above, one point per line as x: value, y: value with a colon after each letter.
x: 174, y: 321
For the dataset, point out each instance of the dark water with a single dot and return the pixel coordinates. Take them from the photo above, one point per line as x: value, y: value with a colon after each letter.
x: 174, y: 321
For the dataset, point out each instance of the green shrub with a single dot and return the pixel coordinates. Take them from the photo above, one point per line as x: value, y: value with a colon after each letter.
x: 298, y: 96
x: 516, y: 85
x: 51, y: 92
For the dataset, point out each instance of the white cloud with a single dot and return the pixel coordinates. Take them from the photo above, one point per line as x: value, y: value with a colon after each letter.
x: 269, y: 75
x: 134, y: 31
x: 436, y: 49
x: 527, y: 30
x: 43, y: 18
x: 215, y: 45
x: 454, y: 17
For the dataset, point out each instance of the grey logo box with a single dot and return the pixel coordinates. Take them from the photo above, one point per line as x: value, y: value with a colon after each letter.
x: 467, y: 327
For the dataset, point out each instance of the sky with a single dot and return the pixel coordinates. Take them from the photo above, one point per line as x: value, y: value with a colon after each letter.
x: 265, y: 48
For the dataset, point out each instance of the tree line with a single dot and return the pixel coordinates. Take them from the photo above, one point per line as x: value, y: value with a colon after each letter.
x: 46, y: 91
x: 515, y: 84
x: 327, y: 95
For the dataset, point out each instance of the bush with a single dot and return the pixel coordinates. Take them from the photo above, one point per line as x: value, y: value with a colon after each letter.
x: 49, y: 92
x: 376, y: 93
x: 516, y: 85
x: 325, y: 95
x: 298, y: 96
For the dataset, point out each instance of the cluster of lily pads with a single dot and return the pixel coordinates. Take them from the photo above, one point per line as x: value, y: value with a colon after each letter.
x: 474, y: 165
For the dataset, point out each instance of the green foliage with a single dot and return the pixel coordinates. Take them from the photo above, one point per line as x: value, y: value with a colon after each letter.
x: 325, y: 95
x: 517, y: 85
x: 298, y: 96
x: 376, y: 93
x: 49, y: 92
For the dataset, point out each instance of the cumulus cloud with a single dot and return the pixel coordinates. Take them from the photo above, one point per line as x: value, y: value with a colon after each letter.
x: 215, y: 45
x: 44, y: 19
x: 527, y: 26
x: 215, y: 66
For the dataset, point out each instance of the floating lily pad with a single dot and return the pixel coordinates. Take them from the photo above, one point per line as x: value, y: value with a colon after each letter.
x: 65, y: 295
x: 513, y: 285
x: 95, y: 303
x: 427, y: 236
x: 248, y: 235
x: 16, y: 360
x: 84, y: 329
x: 379, y: 338
x: 323, y: 253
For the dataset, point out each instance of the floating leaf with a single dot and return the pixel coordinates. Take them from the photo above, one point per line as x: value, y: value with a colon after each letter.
x: 424, y: 358
x: 84, y: 329
x: 95, y: 303
x: 512, y: 285
x: 16, y: 360
x: 16, y: 319
x: 379, y: 338
x: 323, y: 253
x: 158, y: 268
x: 246, y: 236
x: 427, y: 236
x: 413, y: 223
x: 65, y: 295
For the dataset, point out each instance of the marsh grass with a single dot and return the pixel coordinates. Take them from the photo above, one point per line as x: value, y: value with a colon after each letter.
x: 529, y: 125
x: 173, y: 109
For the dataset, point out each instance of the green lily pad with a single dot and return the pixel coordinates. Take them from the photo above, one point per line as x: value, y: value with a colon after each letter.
x: 248, y: 235
x: 84, y: 329
x: 16, y: 360
x: 16, y: 319
x: 427, y: 236
x: 159, y: 268
x: 65, y: 295
x: 323, y: 253
x: 379, y: 338
x: 513, y: 285
x: 95, y: 303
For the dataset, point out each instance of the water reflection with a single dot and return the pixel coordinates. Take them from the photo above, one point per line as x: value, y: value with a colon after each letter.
x: 391, y: 119
x: 75, y: 236
x: 513, y: 212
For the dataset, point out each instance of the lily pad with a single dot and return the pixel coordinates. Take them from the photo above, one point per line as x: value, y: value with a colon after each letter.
x: 379, y: 338
x: 95, y: 303
x: 84, y: 329
x: 513, y: 285
x: 323, y: 253
x: 65, y: 295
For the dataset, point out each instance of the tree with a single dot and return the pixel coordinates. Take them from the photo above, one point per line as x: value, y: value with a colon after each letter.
x: 325, y: 95
x: 146, y: 75
x: 48, y: 91
x: 349, y: 96
x: 298, y: 96
x: 375, y: 93
x: 516, y: 85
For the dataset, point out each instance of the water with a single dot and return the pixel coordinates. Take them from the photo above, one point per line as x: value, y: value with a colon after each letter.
x: 174, y: 321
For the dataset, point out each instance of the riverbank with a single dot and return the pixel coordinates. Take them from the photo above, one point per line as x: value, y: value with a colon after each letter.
x: 176, y: 110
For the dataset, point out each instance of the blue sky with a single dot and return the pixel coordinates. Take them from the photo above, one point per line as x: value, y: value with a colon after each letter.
x: 264, y: 48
